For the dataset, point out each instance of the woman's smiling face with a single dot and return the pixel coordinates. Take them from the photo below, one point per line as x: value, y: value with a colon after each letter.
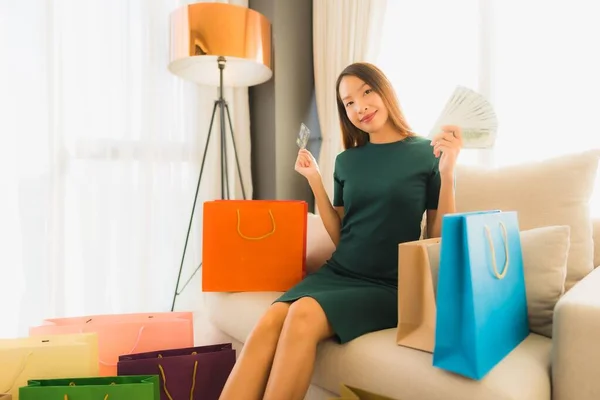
x: 364, y: 107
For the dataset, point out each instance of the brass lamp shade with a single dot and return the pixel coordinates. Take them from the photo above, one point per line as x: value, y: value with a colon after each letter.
x: 202, y: 33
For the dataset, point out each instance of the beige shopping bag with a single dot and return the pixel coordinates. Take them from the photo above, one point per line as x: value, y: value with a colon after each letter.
x: 46, y: 357
x: 5, y: 397
x: 352, y: 393
x: 417, y: 281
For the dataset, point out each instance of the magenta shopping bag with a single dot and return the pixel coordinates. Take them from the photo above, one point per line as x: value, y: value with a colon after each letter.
x: 195, y: 373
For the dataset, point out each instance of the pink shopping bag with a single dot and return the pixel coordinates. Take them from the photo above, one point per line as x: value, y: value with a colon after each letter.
x: 123, y: 334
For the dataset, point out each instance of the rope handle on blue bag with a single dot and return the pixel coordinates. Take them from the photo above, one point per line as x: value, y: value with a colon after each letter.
x: 488, y: 234
x: 239, y: 229
x: 73, y: 384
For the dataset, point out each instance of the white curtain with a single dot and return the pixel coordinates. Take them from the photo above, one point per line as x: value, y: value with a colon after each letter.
x: 344, y: 31
x: 99, y: 158
x: 537, y: 61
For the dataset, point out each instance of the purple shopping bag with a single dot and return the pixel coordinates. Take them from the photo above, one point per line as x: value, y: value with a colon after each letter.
x: 189, y: 373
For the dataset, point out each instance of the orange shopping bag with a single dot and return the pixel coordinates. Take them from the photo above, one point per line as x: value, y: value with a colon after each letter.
x: 123, y: 334
x: 253, y: 245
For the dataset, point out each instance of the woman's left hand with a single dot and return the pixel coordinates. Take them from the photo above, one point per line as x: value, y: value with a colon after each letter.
x: 446, y: 146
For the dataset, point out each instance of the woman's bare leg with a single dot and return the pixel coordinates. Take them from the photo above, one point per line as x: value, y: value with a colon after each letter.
x: 249, y: 376
x: 305, y: 326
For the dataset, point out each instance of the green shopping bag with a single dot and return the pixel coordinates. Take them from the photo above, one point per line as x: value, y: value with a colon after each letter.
x: 134, y: 387
x: 352, y: 393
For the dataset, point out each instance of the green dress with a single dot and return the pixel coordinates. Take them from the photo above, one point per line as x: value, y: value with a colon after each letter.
x: 384, y: 189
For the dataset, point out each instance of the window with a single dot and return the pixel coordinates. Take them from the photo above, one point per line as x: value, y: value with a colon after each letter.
x: 428, y: 48
x: 537, y: 61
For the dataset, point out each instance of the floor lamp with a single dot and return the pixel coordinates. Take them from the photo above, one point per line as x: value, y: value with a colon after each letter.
x: 219, y: 45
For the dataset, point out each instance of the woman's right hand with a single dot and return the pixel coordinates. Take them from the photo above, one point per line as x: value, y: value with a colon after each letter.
x: 306, y: 165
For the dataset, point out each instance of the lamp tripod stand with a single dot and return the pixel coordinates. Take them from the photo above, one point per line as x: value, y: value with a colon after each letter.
x: 223, y: 108
x: 205, y: 33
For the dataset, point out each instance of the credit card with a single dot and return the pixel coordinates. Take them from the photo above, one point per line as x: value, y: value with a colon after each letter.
x: 303, y: 136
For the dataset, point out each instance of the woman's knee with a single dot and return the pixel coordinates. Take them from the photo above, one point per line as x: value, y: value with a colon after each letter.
x: 272, y: 320
x: 307, y: 319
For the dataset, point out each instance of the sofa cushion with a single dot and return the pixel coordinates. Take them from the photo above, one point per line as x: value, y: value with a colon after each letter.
x: 374, y: 362
x: 237, y: 313
x: 545, y: 252
x: 551, y: 192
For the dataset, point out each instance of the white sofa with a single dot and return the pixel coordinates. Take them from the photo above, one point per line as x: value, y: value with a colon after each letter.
x: 563, y: 367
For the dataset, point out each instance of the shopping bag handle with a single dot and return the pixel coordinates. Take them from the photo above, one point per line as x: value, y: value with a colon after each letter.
x: 164, y: 378
x: 73, y: 384
x: 19, y: 372
x: 488, y: 234
x: 239, y: 229
x: 135, y: 345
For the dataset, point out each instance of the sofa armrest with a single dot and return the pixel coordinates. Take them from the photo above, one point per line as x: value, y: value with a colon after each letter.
x: 576, y: 342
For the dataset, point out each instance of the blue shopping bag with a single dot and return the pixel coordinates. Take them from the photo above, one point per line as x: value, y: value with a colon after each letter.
x: 481, y: 300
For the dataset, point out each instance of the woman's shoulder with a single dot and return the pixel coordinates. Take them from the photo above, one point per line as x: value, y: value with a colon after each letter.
x: 347, y: 153
x: 420, y: 152
x: 418, y: 140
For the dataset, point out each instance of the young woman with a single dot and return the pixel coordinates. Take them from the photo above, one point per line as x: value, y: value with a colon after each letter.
x: 385, y: 180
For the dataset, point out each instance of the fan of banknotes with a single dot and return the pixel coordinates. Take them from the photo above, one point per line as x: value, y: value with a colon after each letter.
x: 474, y: 114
